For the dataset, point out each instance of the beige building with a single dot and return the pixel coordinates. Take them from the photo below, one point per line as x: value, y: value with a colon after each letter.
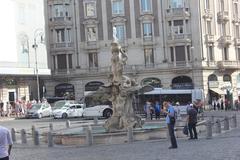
x: 172, y: 44
x: 23, y: 22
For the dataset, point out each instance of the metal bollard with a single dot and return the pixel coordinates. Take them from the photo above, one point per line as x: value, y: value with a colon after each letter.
x: 23, y: 136
x: 36, y: 138
x: 13, y: 134
x: 95, y: 120
x: 50, y: 139
x: 68, y: 124
x: 130, y: 134
x: 212, y: 119
x: 234, y: 121
x: 50, y: 127
x: 33, y: 131
x: 89, y: 136
x: 218, y: 126
x: 226, y: 123
x: 209, y: 129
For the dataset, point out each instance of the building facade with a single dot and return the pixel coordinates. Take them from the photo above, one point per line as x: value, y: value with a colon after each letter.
x: 171, y: 44
x: 19, y: 62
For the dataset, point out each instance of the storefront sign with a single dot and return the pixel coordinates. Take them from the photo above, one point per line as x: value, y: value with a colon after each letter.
x: 182, y: 86
x: 213, y: 84
x: 93, y: 86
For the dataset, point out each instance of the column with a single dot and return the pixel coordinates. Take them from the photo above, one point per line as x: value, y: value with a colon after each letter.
x: 174, y: 55
x: 186, y: 54
x: 67, y: 60
x: 132, y: 19
x: 104, y: 19
x: 56, y: 62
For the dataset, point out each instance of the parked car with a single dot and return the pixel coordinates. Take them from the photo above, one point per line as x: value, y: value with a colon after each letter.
x: 59, y: 104
x: 69, y: 110
x: 39, y: 110
x: 98, y: 111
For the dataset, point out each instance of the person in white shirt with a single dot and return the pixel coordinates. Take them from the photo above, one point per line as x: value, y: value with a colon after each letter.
x: 5, y: 143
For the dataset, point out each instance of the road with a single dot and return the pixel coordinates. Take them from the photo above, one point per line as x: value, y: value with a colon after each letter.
x: 223, y: 147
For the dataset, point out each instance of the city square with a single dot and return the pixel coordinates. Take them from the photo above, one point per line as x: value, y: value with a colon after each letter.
x: 120, y: 79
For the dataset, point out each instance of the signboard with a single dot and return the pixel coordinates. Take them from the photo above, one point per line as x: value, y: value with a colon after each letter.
x: 213, y: 84
x: 182, y: 86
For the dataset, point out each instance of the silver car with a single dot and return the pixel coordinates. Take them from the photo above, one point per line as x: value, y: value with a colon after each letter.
x: 39, y: 110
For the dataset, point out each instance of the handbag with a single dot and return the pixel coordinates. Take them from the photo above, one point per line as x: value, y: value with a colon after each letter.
x: 185, y: 130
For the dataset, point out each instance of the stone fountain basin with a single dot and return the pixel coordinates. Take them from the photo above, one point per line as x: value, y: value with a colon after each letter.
x: 150, y: 131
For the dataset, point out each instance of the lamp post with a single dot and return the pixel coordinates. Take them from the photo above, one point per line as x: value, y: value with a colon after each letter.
x: 38, y: 33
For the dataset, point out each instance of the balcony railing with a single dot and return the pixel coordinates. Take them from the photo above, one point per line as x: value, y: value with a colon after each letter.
x: 61, y: 45
x: 60, y: 19
x: 223, y: 16
x: 209, y: 38
x: 178, y: 12
x: 237, y: 41
x: 228, y: 64
x: 226, y: 39
x: 179, y: 38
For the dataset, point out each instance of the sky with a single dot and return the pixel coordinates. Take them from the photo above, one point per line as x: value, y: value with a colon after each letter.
x: 8, y: 51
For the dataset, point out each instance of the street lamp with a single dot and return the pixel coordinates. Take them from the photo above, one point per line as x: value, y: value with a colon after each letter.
x: 38, y: 33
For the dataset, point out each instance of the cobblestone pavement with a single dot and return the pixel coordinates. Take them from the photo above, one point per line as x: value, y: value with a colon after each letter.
x: 223, y: 147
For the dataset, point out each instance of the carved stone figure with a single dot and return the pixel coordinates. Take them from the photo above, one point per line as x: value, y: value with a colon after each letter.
x: 120, y: 92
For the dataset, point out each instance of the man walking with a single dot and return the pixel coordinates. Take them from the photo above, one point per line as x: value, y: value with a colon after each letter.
x: 170, y: 120
x: 192, y: 121
x: 5, y: 143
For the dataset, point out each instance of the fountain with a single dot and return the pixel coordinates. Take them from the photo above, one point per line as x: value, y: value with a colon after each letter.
x: 120, y: 92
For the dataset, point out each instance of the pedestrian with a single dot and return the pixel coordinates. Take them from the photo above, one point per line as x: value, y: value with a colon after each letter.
x: 9, y: 109
x: 5, y: 143
x: 157, y: 110
x: 192, y: 121
x: 170, y: 120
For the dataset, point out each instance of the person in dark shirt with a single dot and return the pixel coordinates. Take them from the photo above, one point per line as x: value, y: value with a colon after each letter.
x: 192, y: 121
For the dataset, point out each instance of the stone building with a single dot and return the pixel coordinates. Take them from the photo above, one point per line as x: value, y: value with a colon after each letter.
x: 171, y: 44
x: 23, y: 21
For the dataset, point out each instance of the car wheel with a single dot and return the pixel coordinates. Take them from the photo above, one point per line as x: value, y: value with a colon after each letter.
x: 107, y: 113
x: 64, y: 115
x: 40, y: 116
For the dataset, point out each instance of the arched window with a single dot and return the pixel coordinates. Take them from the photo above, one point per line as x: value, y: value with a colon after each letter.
x: 154, y: 82
x: 182, y: 82
x: 212, y: 77
x: 93, y: 86
x: 64, y: 90
x: 227, y: 78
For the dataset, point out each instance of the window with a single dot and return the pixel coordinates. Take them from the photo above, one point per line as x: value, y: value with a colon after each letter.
x: 222, y: 5
x: 224, y: 29
x: 91, y: 34
x: 60, y: 35
x: 68, y: 35
x: 172, y: 54
x: 58, y: 10
x: 238, y: 54
x: 178, y: 26
x: 207, y: 4
x: 69, y: 61
x: 237, y: 32
x: 148, y: 55
x: 236, y: 10
x: 225, y: 54
x: 209, y: 28
x: 211, y: 54
x: 93, y: 60
x: 120, y: 32
x: 61, y: 61
x: 90, y: 9
x: 117, y: 7
x: 176, y: 3
x: 146, y: 5
x: 180, y: 53
x: 147, y: 29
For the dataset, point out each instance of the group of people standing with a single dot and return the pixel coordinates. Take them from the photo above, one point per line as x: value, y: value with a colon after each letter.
x: 218, y: 104
x: 151, y: 109
x: 171, y: 115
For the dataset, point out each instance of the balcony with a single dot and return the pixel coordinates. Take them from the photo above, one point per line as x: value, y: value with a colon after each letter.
x: 228, y: 65
x: 223, y: 16
x: 65, y: 46
x: 209, y: 38
x: 89, y: 45
x: 180, y: 66
x: 179, y: 38
x: 177, y: 13
x: 55, y: 21
x: 207, y: 14
x: 237, y: 41
x: 225, y: 40
x: 147, y: 40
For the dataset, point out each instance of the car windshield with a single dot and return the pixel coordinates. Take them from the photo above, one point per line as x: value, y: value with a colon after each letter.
x: 36, y: 106
x: 60, y: 104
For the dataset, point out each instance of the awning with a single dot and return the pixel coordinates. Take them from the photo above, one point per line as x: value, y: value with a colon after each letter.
x: 218, y: 91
